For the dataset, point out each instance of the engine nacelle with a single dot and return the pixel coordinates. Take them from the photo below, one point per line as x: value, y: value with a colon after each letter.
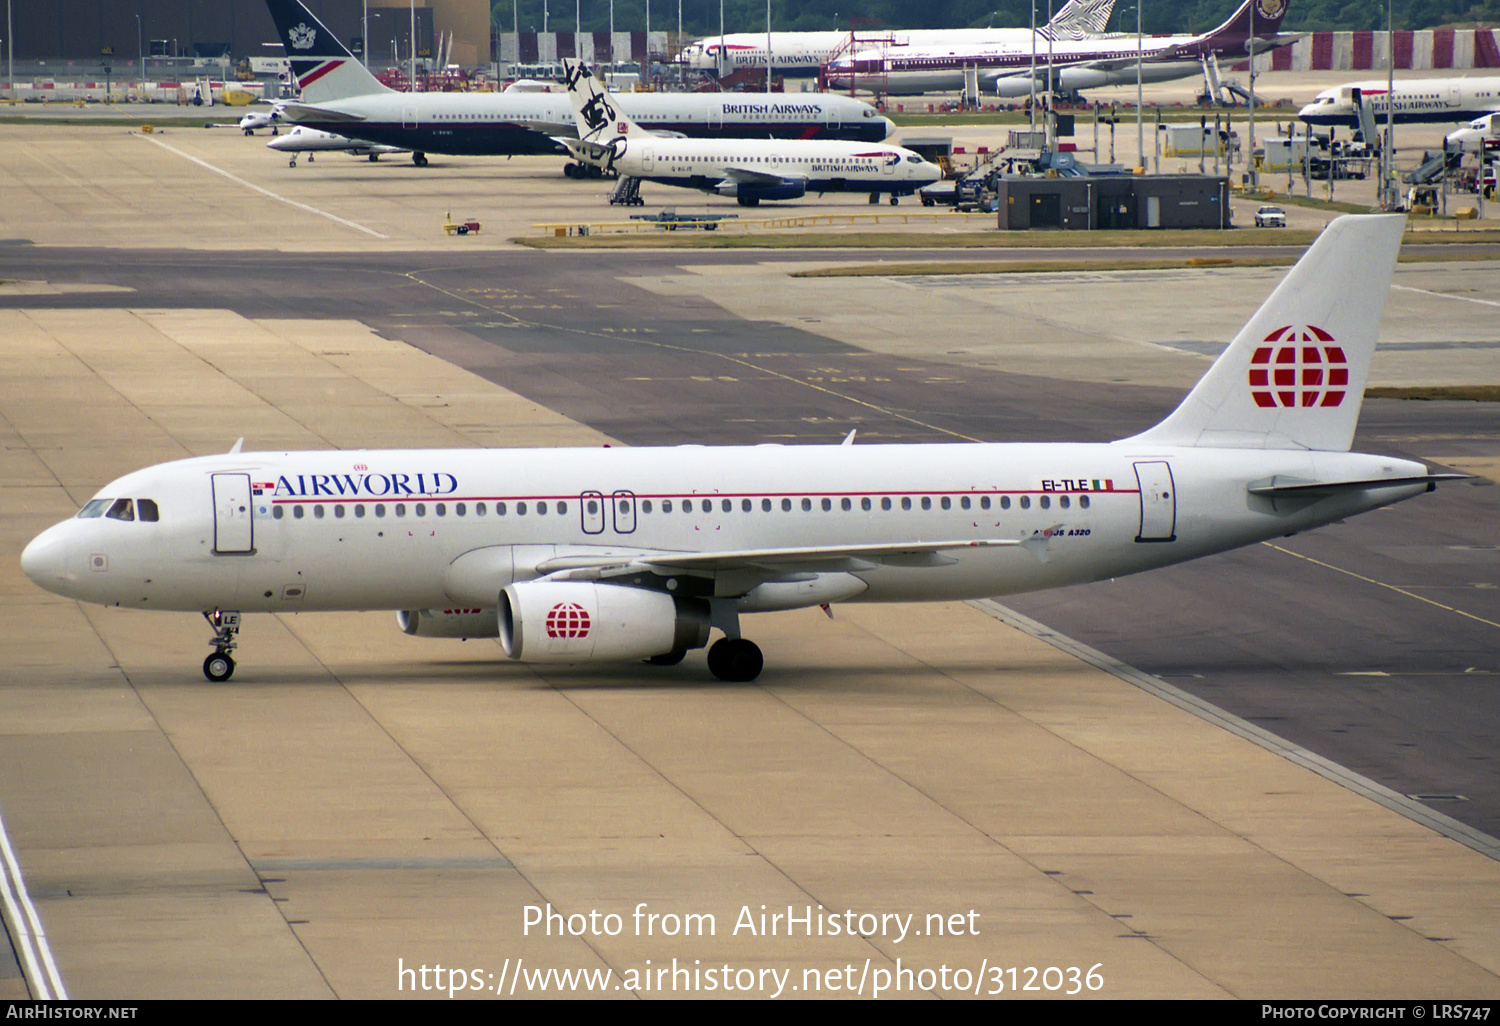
x: 785, y: 189
x: 449, y: 623
x: 585, y: 621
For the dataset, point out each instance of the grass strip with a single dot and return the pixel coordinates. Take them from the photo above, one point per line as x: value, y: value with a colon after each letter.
x: 1466, y: 393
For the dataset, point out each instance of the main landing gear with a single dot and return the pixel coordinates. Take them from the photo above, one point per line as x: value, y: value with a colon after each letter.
x: 737, y: 660
x: 419, y: 159
x: 219, y: 667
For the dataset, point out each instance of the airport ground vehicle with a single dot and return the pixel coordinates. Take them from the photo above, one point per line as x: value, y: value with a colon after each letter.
x: 1270, y: 217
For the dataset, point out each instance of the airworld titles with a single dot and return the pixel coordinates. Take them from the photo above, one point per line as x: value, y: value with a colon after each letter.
x: 364, y: 485
x: 795, y: 921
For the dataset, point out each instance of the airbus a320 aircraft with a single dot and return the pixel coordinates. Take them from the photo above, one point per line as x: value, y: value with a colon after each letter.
x: 612, y: 554
x: 750, y: 170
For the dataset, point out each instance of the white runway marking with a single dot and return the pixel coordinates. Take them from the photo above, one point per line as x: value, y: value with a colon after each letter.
x: 266, y: 192
x: 26, y: 928
x: 1446, y: 295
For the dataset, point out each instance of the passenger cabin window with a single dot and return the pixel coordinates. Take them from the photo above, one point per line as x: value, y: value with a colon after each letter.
x: 123, y: 509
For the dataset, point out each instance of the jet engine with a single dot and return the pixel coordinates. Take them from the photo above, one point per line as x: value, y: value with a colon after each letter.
x: 750, y: 194
x: 449, y: 623
x: 577, y: 621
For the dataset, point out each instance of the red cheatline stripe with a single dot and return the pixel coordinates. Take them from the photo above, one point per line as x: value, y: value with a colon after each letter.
x: 313, y: 76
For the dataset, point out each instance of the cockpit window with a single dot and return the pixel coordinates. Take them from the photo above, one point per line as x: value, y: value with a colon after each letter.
x: 95, y: 508
x: 914, y: 158
x: 146, y: 509
x: 123, y: 509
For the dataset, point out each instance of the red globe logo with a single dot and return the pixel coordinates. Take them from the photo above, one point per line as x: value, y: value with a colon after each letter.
x: 1296, y: 374
x: 567, y: 620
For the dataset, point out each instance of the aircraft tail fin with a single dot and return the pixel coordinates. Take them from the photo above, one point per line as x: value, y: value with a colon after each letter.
x: 1294, y: 377
x: 1262, y: 18
x: 600, y: 119
x: 1079, y: 18
x: 324, y: 68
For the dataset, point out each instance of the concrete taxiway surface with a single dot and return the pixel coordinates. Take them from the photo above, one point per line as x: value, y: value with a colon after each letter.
x: 358, y: 802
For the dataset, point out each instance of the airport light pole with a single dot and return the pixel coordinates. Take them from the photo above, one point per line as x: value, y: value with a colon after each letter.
x: 1392, y: 201
x: 1250, y: 153
x: 411, y: 83
x: 1140, y: 55
x: 1031, y: 111
x: 364, y: 41
x: 768, y: 47
x: 10, y: 52
x: 140, y: 53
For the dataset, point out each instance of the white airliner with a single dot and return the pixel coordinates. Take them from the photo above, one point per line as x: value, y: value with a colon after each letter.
x: 750, y: 170
x: 1429, y: 100
x: 1004, y: 66
x: 1479, y: 135
x: 615, y: 554
x: 802, y: 54
x: 272, y: 119
x: 339, y: 95
x: 302, y: 139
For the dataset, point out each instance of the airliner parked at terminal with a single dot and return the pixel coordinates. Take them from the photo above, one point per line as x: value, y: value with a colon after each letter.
x: 803, y: 54
x: 339, y: 95
x: 1429, y: 100
x: 614, y: 554
x: 1006, y: 67
x: 750, y: 170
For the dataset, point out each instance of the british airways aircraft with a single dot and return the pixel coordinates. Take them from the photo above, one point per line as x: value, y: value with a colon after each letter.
x: 750, y: 170
x: 340, y: 96
x: 616, y: 554
x: 1418, y: 101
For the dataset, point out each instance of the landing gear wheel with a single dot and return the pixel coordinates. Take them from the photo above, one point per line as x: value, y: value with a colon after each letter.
x: 671, y: 658
x: 419, y: 159
x: 735, y: 659
x: 895, y: 200
x: 292, y: 162
x: 568, y: 171
x: 249, y: 131
x: 874, y: 197
x: 748, y: 201
x: 218, y: 667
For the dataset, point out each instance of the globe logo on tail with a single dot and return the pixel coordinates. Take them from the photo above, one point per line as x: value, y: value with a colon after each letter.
x: 567, y: 620
x: 1300, y: 371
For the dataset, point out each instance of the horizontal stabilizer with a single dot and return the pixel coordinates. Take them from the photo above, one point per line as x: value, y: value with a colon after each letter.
x: 300, y: 112
x: 1283, y: 488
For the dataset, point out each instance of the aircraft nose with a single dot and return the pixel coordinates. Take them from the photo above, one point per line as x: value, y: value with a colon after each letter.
x: 47, y: 560
x: 890, y: 126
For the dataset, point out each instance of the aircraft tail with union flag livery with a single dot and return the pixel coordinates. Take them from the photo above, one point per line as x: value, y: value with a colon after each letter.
x: 1294, y: 377
x: 324, y: 68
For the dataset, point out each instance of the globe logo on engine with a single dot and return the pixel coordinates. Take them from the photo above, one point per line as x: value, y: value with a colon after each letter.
x: 1295, y: 374
x: 567, y: 620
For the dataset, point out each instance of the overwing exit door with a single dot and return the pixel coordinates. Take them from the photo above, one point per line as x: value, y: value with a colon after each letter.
x: 623, y: 504
x: 1158, y: 502
x: 234, y: 528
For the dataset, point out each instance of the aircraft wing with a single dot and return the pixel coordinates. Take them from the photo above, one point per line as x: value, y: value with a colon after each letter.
x: 296, y: 112
x: 748, y: 176
x: 841, y: 557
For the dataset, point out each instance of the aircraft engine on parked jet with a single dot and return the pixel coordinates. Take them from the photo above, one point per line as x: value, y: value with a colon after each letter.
x: 575, y: 622
x: 449, y: 623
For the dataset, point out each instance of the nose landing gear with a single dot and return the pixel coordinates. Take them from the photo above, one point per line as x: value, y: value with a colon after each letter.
x: 219, y: 666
